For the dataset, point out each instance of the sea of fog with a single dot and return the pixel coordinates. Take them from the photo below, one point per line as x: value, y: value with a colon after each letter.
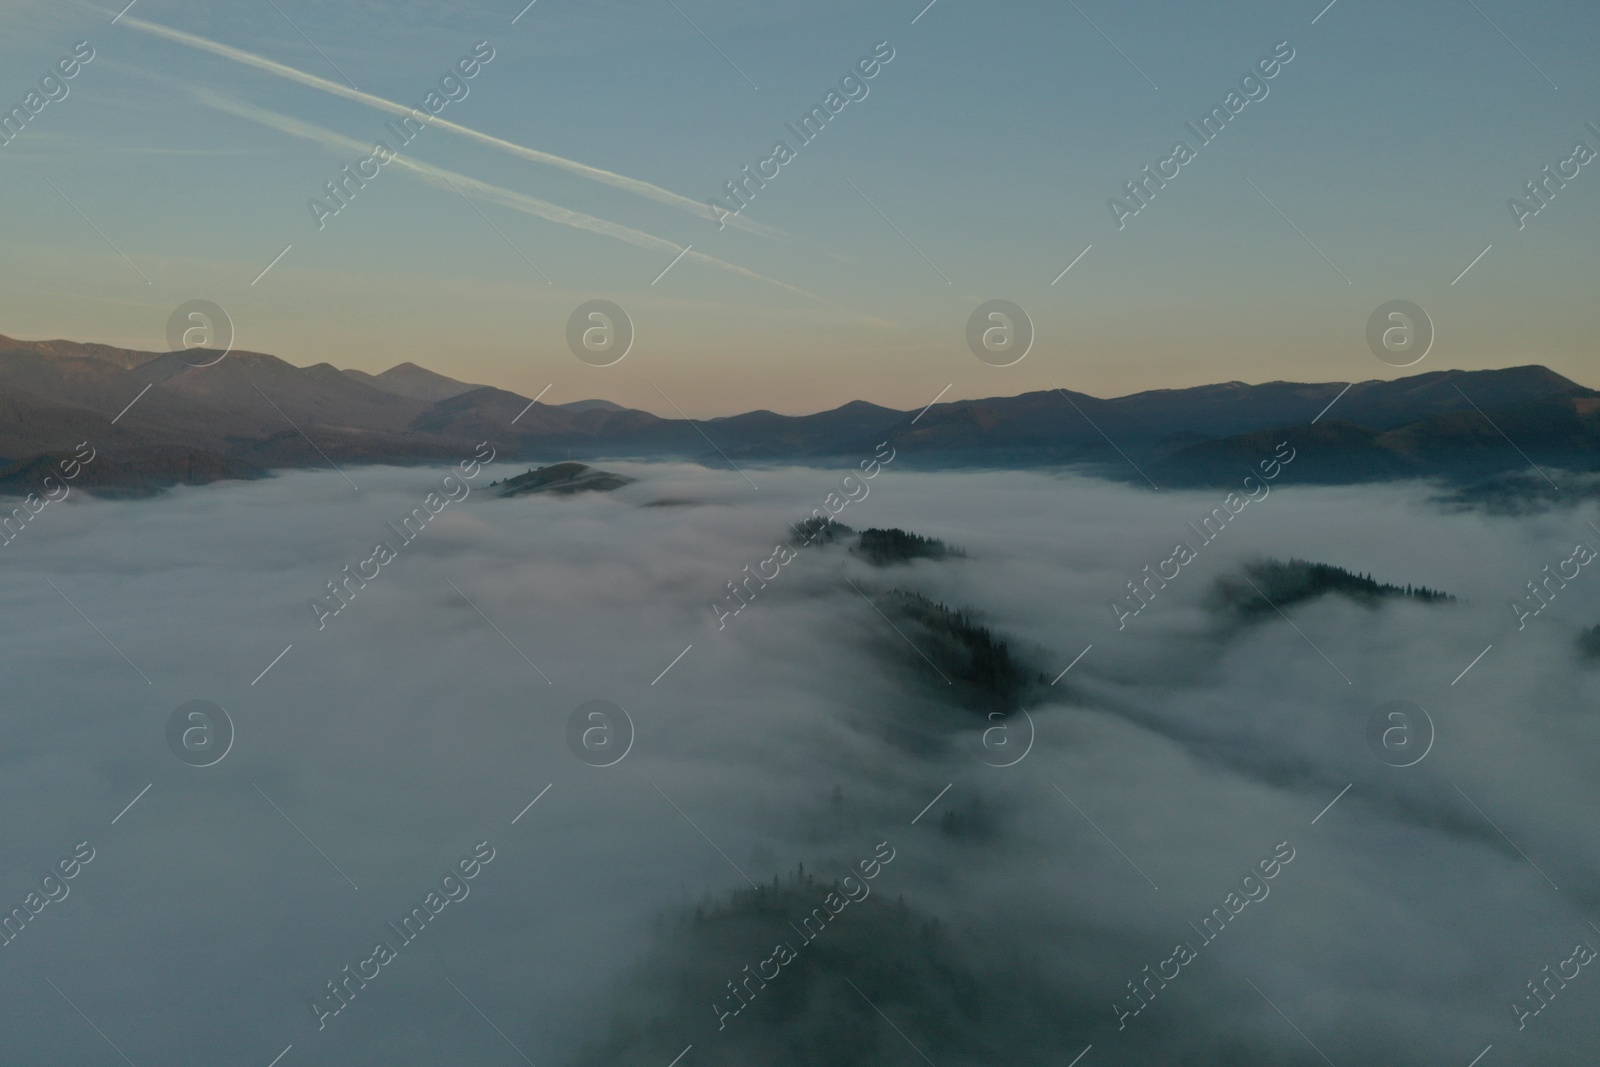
x: 1183, y: 756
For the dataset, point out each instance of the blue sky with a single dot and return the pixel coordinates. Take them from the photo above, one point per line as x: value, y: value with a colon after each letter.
x: 978, y: 166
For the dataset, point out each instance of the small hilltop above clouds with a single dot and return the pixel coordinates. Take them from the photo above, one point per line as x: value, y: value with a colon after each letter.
x: 1269, y: 585
x: 162, y: 421
x: 561, y: 479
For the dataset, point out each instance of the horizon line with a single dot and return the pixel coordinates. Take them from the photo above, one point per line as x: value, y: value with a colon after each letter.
x: 473, y: 387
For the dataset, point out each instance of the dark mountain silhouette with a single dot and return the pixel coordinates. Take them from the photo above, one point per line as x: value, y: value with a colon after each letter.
x: 414, y: 382
x: 1523, y: 492
x: 1273, y: 584
x: 253, y: 412
x: 821, y: 1007
x: 591, y: 405
x: 561, y: 479
x: 884, y: 547
x: 968, y: 659
x: 143, y: 472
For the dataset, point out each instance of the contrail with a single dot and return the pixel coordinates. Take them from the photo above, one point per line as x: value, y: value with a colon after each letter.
x: 604, y: 177
x: 442, y: 178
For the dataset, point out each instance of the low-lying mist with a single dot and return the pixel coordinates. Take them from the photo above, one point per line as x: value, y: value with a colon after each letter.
x: 1055, y: 833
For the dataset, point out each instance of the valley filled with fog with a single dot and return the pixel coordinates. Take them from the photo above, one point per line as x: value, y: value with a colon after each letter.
x: 1068, y: 790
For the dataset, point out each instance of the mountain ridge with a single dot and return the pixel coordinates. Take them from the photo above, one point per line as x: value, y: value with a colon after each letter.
x: 254, y: 412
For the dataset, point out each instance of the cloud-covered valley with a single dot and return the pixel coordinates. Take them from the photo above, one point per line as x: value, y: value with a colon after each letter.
x: 1018, y: 916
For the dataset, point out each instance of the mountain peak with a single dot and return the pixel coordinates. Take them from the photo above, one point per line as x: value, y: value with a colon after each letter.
x: 413, y: 382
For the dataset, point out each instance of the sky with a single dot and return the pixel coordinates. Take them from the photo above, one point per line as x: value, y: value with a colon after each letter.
x: 978, y: 166
x: 370, y: 755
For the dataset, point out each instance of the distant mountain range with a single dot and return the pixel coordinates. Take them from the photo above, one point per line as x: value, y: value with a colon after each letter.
x: 252, y: 413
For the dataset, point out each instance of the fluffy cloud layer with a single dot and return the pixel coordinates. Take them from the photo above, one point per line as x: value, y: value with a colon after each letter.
x: 808, y: 730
